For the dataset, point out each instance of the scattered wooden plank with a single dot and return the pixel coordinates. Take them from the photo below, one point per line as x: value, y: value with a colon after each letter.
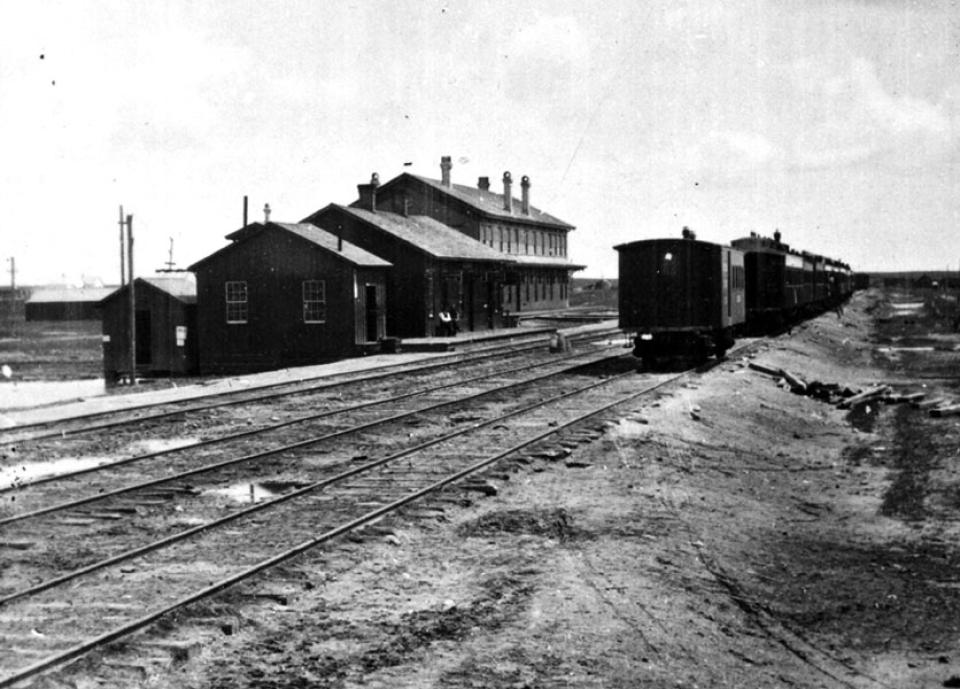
x: 895, y: 398
x: 926, y: 404
x: 952, y: 410
x: 775, y: 372
x: 870, y: 394
x: 797, y: 384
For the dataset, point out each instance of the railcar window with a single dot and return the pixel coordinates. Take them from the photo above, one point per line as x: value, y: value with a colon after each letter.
x: 314, y: 301
x: 236, y: 297
x: 668, y: 266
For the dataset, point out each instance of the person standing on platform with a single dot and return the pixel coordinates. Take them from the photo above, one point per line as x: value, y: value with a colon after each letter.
x: 446, y: 323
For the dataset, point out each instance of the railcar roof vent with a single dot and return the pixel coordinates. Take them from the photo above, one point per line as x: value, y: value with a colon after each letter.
x: 688, y: 233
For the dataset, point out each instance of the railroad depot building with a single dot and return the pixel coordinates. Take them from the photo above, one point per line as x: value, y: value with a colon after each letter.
x: 434, y: 266
x: 533, y: 242
x: 287, y: 294
x: 166, y: 326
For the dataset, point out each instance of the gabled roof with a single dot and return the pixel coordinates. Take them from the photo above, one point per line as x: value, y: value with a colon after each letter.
x: 489, y: 203
x: 46, y: 295
x: 313, y: 234
x: 182, y: 286
x: 422, y: 232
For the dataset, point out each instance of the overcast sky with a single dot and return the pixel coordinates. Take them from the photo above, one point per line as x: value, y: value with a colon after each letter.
x: 836, y: 122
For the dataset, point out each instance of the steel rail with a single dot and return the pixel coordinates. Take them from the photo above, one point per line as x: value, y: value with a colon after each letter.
x: 300, y: 443
x: 263, y: 429
x: 144, y: 621
x: 273, y: 502
x: 487, y: 352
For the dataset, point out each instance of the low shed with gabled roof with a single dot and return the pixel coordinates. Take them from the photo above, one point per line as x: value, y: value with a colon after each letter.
x: 434, y: 267
x: 166, y: 327
x: 287, y: 294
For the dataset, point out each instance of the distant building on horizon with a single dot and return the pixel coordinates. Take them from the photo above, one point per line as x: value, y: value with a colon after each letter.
x: 64, y: 303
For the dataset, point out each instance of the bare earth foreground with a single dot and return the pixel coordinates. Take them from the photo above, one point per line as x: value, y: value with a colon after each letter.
x: 726, y: 534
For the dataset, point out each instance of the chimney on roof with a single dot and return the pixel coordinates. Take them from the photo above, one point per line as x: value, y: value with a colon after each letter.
x: 368, y: 193
x: 776, y: 236
x: 507, y: 192
x: 266, y: 213
x: 525, y: 196
x: 483, y: 184
x: 445, y: 166
x: 245, y: 211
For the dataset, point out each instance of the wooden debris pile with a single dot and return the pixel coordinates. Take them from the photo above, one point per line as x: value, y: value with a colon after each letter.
x: 846, y: 398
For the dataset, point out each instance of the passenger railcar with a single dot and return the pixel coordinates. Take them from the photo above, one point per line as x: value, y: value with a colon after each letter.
x: 784, y: 285
x: 681, y: 296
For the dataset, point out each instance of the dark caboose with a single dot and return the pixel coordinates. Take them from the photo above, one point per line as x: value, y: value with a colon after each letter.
x: 681, y: 296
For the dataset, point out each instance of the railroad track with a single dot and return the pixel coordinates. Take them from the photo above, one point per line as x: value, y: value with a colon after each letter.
x: 120, y: 488
x: 335, y: 418
x: 354, y: 492
x: 157, y: 411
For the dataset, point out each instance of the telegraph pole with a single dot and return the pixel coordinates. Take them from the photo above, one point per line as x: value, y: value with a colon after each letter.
x: 123, y: 260
x: 133, y: 304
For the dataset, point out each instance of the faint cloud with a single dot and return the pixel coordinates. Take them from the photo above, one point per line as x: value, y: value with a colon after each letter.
x: 546, y: 61
x: 850, y: 118
x: 725, y: 155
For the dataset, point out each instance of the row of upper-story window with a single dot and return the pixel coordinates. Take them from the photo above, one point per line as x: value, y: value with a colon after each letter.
x: 534, y: 290
x: 313, y: 297
x: 524, y: 241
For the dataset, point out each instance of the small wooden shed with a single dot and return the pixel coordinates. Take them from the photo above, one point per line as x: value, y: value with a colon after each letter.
x: 166, y: 327
x: 287, y: 294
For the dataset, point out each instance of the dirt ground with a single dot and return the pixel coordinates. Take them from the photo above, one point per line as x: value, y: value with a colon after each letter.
x: 729, y: 533
x: 50, y: 350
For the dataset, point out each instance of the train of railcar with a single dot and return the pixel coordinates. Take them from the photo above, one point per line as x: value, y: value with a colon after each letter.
x: 690, y: 298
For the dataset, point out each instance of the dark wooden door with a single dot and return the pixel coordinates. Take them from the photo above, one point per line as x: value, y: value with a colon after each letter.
x: 373, y: 312
x: 144, y: 350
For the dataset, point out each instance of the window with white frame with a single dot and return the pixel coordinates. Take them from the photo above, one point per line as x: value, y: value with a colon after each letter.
x: 236, y: 297
x: 314, y: 301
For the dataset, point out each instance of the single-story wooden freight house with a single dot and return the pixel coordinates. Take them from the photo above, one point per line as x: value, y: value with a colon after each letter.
x: 65, y: 303
x: 283, y: 294
x: 434, y: 267
x: 166, y: 327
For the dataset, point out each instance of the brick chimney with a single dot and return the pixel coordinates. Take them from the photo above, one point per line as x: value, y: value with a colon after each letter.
x: 368, y: 193
x: 525, y: 198
x: 507, y: 192
x: 483, y: 184
x: 266, y: 213
x: 445, y: 167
